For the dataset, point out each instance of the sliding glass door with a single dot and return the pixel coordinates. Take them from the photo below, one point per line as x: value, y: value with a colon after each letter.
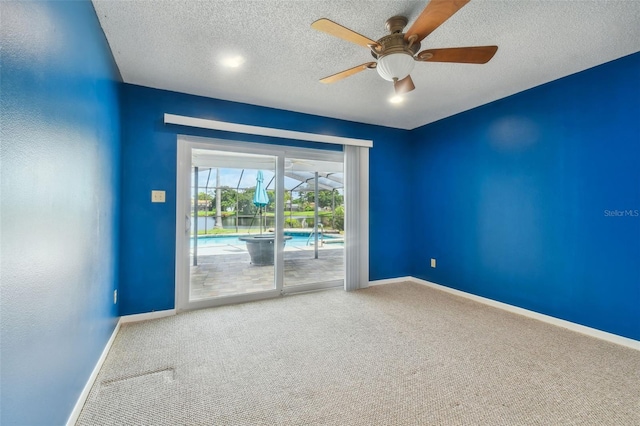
x: 232, y: 224
x: 314, y: 218
x: 260, y: 221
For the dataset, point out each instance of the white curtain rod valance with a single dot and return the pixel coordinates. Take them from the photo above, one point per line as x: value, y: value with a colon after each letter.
x: 263, y: 131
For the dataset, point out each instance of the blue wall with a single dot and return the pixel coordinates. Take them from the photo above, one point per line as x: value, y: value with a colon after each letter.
x: 147, y: 256
x: 514, y: 206
x: 60, y: 203
x: 517, y: 193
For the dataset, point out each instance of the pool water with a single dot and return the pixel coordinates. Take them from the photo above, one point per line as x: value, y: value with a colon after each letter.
x: 296, y: 240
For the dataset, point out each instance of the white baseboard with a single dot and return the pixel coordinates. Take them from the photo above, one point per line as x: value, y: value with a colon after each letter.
x: 391, y: 281
x: 147, y: 316
x: 592, y: 332
x: 75, y: 413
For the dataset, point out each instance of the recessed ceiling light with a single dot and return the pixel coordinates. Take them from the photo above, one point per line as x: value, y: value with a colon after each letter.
x: 396, y: 99
x: 232, y: 61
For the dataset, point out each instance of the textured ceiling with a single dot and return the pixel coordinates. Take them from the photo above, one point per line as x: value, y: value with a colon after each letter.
x: 176, y: 45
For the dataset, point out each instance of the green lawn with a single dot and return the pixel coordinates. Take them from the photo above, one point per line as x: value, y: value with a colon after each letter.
x: 321, y: 213
x: 217, y: 231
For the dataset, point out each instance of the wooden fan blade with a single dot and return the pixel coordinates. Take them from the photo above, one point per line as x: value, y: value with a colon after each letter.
x: 465, y: 55
x: 436, y: 12
x: 344, y: 33
x: 346, y: 73
x: 404, y: 86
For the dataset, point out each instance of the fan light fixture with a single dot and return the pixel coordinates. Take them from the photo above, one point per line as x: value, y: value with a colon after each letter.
x: 396, y: 99
x: 395, y: 66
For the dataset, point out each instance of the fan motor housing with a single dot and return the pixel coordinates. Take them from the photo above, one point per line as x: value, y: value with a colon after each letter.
x: 395, y: 43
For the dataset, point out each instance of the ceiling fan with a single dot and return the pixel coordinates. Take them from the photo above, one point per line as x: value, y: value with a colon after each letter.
x: 397, y: 52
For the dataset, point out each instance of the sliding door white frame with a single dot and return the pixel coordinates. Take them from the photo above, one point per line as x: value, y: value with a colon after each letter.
x: 356, y: 222
x: 356, y: 160
x: 183, y: 219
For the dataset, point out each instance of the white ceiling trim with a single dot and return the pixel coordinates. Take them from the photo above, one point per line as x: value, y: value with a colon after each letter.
x: 225, y: 126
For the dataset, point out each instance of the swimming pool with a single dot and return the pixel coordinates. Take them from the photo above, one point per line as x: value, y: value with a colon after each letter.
x: 297, y: 240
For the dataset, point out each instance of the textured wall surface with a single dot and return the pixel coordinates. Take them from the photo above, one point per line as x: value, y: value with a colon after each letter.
x: 60, y: 203
x: 534, y: 200
x: 149, y: 162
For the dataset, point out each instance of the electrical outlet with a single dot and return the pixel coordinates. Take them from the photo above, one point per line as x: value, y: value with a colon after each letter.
x: 433, y: 263
x: 115, y: 296
x: 157, y: 196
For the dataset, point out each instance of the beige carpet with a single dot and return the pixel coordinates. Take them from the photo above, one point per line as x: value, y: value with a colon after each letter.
x: 400, y: 354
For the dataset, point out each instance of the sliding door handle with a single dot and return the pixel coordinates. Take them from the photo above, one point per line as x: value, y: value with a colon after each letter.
x: 187, y: 227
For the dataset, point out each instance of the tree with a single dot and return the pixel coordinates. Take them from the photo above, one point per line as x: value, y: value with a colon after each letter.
x: 339, y: 218
x: 272, y: 200
x: 228, y: 199
x: 245, y: 202
x: 208, y: 197
x: 325, y: 198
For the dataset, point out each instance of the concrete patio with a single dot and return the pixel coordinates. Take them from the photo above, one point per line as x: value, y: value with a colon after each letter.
x: 229, y: 272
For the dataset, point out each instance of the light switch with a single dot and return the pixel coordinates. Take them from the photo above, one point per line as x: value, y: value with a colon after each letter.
x: 157, y: 196
x: 433, y: 263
